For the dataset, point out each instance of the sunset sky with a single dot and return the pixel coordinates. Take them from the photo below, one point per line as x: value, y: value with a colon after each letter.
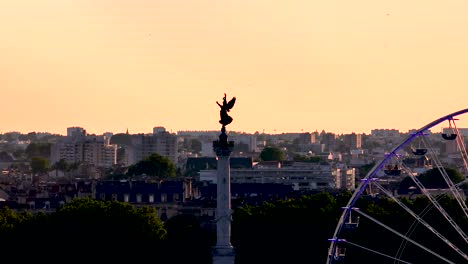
x: 301, y: 65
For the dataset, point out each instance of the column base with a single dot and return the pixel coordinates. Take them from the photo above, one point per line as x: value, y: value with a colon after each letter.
x: 223, y: 255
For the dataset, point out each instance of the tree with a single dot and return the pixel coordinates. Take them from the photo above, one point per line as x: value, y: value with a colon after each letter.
x: 259, y: 232
x: 364, y: 169
x: 154, y: 165
x: 195, y: 145
x: 39, y: 165
x: 433, y: 178
x: 38, y: 150
x: 74, y: 166
x: 186, y: 234
x: 111, y: 231
x: 115, y: 219
x: 61, y: 165
x: 9, y: 220
x: 302, y: 158
x: 272, y: 154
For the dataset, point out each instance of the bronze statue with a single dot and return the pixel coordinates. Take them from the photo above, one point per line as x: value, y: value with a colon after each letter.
x: 225, y: 107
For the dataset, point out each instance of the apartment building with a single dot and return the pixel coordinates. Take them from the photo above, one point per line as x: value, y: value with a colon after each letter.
x: 353, y: 140
x: 143, y: 145
x: 78, y: 147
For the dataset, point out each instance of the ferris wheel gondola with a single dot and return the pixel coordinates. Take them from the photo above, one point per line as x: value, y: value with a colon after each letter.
x: 420, y: 150
x: 453, y: 133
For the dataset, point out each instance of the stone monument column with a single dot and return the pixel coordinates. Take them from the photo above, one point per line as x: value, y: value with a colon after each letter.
x: 223, y: 252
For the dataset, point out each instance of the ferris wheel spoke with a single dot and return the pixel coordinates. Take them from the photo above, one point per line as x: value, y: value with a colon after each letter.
x: 461, y: 147
x: 452, y: 187
x: 437, y: 205
x: 413, y: 226
x: 420, y: 220
x: 375, y: 251
x: 402, y: 236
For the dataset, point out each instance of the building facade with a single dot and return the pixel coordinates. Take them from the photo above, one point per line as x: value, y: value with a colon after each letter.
x: 302, y: 176
x: 143, y: 145
x: 78, y: 147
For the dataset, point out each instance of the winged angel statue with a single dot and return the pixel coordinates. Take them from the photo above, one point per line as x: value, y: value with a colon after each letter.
x: 225, y: 107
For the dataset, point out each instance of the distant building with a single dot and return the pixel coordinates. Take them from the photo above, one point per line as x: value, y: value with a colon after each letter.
x: 140, y: 192
x: 143, y: 145
x: 306, y: 138
x: 347, y: 179
x: 353, y: 140
x: 77, y: 147
x: 159, y: 129
x: 385, y: 133
x: 207, y: 149
x: 76, y: 132
x: 196, y: 164
x: 248, y: 139
x: 302, y: 176
x: 329, y: 140
x: 212, y: 134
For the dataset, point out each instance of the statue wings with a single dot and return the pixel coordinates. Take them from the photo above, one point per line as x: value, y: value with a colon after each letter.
x: 231, y: 103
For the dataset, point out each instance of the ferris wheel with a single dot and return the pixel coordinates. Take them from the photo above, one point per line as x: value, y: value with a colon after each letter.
x: 422, y: 181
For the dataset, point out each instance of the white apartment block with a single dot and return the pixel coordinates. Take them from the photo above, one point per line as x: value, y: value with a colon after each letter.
x: 99, y: 152
x: 347, y: 179
x: 143, y: 145
x: 78, y: 147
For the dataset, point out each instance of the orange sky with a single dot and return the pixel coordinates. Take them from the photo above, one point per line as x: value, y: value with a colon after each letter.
x: 339, y: 66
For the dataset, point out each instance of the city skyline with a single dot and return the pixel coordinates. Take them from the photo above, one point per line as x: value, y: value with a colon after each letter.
x: 338, y: 66
x: 443, y: 129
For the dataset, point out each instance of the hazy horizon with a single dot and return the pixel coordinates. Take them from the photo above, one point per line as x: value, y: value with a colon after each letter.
x: 436, y: 129
x: 338, y: 66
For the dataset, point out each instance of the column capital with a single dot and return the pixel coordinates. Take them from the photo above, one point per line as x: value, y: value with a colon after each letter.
x: 223, y: 148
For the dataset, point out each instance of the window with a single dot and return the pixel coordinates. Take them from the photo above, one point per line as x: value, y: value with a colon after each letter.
x: 151, y: 198
x: 163, y: 198
x: 114, y: 197
x: 103, y: 196
x: 138, y: 198
x: 126, y: 197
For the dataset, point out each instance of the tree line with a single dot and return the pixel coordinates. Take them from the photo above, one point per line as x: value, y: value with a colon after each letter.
x: 284, y: 231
